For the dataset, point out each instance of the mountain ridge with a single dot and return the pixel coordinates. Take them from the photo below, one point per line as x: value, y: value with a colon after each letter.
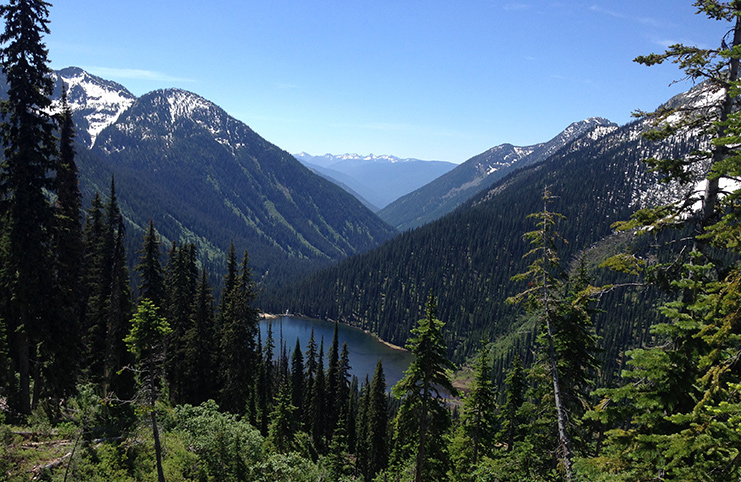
x: 446, y: 193
x: 203, y: 176
x: 95, y: 102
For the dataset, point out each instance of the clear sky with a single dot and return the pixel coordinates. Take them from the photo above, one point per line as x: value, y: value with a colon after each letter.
x: 429, y: 79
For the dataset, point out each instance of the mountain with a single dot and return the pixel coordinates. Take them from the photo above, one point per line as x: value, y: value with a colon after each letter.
x: 378, y: 179
x: 96, y: 103
x: 468, y: 257
x: 450, y: 190
x: 205, y: 177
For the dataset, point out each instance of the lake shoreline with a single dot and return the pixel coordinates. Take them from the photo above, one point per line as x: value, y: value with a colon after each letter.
x: 273, y: 316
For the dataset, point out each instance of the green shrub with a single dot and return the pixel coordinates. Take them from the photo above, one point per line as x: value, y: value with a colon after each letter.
x: 229, y: 447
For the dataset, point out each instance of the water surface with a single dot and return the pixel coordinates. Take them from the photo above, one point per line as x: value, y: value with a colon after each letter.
x: 365, y: 349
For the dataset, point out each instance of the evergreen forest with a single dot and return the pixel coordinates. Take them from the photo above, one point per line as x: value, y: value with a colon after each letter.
x: 559, y: 330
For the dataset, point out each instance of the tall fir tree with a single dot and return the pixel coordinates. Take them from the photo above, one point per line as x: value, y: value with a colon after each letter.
x: 149, y: 267
x: 97, y: 287
x: 5, y: 361
x: 283, y: 426
x: 479, y: 410
x: 560, y: 308
x: 266, y: 381
x: 65, y: 332
x: 200, y: 347
x: 297, y: 379
x: 26, y: 172
x: 318, y: 403
x: 118, y: 306
x: 332, y: 383
x: 181, y: 283
x: 310, y: 376
x: 230, y: 278
x: 146, y: 341
x: 352, y: 412
x: 376, y: 438
x: 361, y: 447
x: 109, y: 304
x: 424, y: 415
x: 338, y: 460
x: 511, y: 417
x: 344, y: 389
x: 238, y: 343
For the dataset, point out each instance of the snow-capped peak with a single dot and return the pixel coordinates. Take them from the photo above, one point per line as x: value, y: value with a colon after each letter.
x: 329, y: 159
x: 97, y: 101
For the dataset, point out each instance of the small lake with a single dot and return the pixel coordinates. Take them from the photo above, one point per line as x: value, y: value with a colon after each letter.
x: 365, y: 349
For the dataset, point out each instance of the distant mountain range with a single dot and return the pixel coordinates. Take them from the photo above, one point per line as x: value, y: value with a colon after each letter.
x: 452, y: 189
x: 205, y: 177
x: 377, y: 180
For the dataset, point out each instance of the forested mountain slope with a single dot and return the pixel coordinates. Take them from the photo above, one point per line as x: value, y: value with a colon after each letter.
x: 467, y: 258
x: 454, y: 188
x: 205, y: 177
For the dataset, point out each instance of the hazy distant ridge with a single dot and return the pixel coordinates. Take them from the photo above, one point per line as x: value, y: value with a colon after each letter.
x: 379, y: 179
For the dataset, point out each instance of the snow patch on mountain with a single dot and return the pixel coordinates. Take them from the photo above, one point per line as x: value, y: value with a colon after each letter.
x: 97, y: 101
x: 184, y: 104
x: 328, y: 160
x: 703, y: 99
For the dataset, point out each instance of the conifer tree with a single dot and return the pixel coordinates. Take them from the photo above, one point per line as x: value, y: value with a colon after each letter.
x: 338, y: 459
x: 238, y: 350
x: 5, y: 369
x: 343, y: 382
x: 118, y: 308
x: 514, y: 397
x: 96, y: 271
x: 266, y: 381
x: 360, y: 447
x: 318, y: 404
x: 560, y: 318
x: 200, y: 347
x: 181, y: 283
x: 575, y: 343
x: 310, y: 376
x: 146, y: 341
x: 424, y: 415
x: 27, y: 169
x: 230, y: 278
x: 376, y: 439
x: 65, y: 328
x: 283, y: 368
x: 297, y: 379
x: 283, y: 427
x: 479, y: 410
x: 311, y: 358
x: 716, y: 117
x: 151, y: 275
x: 333, y: 383
x: 109, y: 309
x: 351, y: 412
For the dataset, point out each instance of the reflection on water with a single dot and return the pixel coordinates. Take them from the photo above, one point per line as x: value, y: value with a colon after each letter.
x: 365, y: 349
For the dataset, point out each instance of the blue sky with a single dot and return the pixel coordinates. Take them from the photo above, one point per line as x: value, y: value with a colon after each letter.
x: 429, y: 79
